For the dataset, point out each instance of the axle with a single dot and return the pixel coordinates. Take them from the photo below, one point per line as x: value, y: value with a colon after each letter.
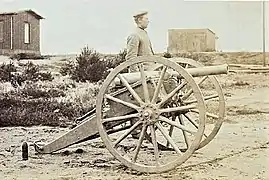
x: 195, y: 72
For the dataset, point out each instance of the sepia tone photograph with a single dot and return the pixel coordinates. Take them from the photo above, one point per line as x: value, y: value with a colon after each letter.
x: 134, y: 90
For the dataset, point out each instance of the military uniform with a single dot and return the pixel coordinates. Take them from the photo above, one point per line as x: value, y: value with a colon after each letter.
x: 138, y: 44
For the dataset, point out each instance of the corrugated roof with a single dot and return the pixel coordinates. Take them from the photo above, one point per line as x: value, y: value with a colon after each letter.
x: 28, y: 11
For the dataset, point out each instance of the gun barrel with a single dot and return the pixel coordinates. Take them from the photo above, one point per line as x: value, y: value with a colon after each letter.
x: 208, y: 70
x: 195, y: 72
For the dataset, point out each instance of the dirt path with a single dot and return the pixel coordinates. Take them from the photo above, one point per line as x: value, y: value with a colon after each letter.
x: 239, y: 152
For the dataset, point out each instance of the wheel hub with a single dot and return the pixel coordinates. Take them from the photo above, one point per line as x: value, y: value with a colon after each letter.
x: 149, y: 113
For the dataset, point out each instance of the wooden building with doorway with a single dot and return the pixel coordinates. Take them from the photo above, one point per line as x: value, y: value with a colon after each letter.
x: 20, y: 32
x: 191, y: 40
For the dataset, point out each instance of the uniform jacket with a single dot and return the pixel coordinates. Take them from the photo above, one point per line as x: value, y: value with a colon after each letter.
x: 138, y: 44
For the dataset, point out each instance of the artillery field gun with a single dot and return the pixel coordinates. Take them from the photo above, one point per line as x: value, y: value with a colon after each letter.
x: 176, y: 105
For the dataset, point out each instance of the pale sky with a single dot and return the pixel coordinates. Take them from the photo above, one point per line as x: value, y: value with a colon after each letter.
x: 105, y: 24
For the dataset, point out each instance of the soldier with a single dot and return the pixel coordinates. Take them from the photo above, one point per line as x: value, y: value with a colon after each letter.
x: 138, y: 42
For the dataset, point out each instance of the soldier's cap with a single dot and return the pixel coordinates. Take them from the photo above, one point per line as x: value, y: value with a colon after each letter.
x: 139, y: 14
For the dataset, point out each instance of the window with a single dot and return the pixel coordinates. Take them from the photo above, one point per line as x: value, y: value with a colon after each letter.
x: 1, y: 31
x: 26, y: 33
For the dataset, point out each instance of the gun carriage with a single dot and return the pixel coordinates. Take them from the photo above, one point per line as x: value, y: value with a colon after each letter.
x: 175, y: 105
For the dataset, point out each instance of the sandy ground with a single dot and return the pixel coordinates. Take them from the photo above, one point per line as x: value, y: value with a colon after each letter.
x: 239, y: 152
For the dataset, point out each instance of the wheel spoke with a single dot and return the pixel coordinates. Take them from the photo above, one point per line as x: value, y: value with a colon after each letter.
x: 205, y: 98
x: 158, y: 88
x: 120, y: 118
x: 126, y: 133
x: 211, y: 97
x: 178, y: 109
x: 202, y: 80
x: 171, y: 94
x: 192, y: 122
x: 207, y: 113
x: 121, y: 101
x: 168, y: 138
x: 189, y: 93
x: 139, y: 143
x: 144, y: 83
x: 171, y: 129
x: 184, y: 128
x: 130, y: 89
x: 184, y: 133
x: 154, y: 142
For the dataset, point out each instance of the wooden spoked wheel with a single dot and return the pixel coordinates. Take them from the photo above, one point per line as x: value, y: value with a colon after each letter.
x: 141, y: 110
x: 214, y: 101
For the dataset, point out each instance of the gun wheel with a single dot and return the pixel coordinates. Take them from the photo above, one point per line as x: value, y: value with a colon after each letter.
x: 141, y: 110
x: 214, y: 102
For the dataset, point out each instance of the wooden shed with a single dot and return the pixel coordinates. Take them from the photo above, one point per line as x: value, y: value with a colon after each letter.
x: 191, y: 40
x: 20, y: 32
